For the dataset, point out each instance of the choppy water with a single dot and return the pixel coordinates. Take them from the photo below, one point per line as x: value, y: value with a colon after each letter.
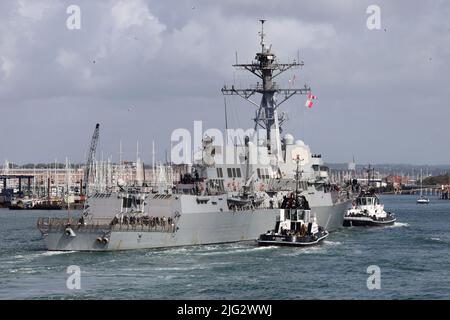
x: 414, y: 257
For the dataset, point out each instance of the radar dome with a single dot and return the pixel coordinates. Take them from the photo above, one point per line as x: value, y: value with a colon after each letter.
x: 299, y: 143
x: 288, y: 139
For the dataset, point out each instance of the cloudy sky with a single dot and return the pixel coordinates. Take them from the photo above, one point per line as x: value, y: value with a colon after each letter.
x: 142, y: 68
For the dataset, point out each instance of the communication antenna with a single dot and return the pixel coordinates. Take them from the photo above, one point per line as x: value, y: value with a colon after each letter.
x: 266, y: 67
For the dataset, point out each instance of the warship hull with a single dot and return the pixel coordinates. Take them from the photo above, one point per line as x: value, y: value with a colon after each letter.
x: 331, y: 217
x: 191, y: 229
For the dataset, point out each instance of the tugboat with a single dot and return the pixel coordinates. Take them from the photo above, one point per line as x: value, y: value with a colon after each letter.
x: 296, y: 225
x: 368, y: 211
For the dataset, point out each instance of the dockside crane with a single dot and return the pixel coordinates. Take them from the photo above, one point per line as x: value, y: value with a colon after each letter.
x: 90, y: 158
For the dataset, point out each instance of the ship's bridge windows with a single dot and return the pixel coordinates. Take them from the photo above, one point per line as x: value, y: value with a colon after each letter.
x: 234, y: 172
x: 126, y: 202
x: 219, y: 173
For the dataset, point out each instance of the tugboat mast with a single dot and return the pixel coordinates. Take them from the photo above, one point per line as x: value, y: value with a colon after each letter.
x: 267, y: 68
x: 297, y: 179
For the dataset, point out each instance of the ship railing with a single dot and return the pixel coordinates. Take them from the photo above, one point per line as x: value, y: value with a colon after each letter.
x: 247, y: 207
x: 45, y: 225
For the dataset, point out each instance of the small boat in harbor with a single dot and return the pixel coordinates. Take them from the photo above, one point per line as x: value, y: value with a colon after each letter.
x: 35, y: 204
x: 367, y: 210
x: 422, y: 199
x: 21, y: 204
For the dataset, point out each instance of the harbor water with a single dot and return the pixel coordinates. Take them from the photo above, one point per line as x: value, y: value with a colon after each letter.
x: 413, y: 257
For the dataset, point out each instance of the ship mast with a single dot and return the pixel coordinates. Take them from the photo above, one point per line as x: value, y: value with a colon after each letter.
x: 267, y: 68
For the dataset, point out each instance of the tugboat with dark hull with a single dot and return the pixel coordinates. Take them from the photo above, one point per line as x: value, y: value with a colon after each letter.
x: 296, y: 225
x: 368, y: 211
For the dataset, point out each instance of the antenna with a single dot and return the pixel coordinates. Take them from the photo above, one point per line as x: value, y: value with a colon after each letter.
x: 297, y: 177
x: 226, y: 116
x: 262, y: 34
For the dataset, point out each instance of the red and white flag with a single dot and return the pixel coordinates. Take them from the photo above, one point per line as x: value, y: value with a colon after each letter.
x: 310, y: 100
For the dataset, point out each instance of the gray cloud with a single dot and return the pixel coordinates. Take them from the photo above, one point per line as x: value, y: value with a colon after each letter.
x: 142, y: 68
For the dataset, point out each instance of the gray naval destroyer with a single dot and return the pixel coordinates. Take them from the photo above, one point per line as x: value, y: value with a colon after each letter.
x: 214, y: 201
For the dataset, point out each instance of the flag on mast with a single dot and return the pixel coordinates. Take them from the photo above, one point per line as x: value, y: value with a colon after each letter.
x: 310, y: 100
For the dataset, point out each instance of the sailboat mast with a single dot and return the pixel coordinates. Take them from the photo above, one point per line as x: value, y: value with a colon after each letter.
x: 67, y: 189
x: 421, y: 182
x: 153, y: 163
x: 296, y: 179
